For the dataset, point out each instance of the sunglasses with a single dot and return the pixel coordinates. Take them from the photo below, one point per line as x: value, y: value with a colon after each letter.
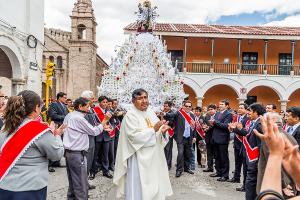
x: 188, y: 106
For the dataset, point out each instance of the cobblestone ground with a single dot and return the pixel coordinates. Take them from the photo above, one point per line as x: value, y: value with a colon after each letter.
x: 187, y: 187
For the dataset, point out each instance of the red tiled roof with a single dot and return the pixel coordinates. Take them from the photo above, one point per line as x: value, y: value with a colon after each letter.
x: 221, y: 29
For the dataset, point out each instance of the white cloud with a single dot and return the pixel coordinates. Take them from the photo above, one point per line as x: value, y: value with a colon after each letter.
x: 112, y: 16
x: 288, y: 21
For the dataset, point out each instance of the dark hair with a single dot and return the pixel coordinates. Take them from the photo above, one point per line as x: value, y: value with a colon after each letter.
x: 213, y: 106
x: 18, y: 108
x: 295, y: 111
x: 109, y: 100
x: 138, y: 92
x: 187, y: 101
x: 225, y: 101
x: 273, y: 106
x: 198, y: 108
x: 80, y: 102
x: 69, y: 99
x: 169, y: 103
x: 60, y: 94
x: 102, y: 98
x: 245, y: 105
x: 258, y: 108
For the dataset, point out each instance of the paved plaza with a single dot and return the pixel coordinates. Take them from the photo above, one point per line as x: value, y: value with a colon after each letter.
x: 188, y: 187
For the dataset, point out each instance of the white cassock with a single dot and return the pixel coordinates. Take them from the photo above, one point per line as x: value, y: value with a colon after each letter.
x: 141, y: 171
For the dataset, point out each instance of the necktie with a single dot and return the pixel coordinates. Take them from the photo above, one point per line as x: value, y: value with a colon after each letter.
x: 290, y: 130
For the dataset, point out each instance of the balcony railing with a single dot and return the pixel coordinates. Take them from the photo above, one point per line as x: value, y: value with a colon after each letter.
x: 196, y: 67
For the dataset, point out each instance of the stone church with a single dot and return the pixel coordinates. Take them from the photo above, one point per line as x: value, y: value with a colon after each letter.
x: 78, y: 66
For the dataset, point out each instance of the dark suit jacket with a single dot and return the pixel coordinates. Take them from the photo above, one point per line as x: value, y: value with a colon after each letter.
x: 237, y: 143
x: 221, y: 134
x: 92, y: 118
x: 209, y: 132
x: 179, y: 122
x: 296, y: 134
x: 57, y: 112
x: 105, y: 135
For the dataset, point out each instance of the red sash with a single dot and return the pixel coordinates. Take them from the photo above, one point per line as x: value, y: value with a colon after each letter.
x: 199, y: 130
x: 188, y: 118
x: 252, y: 153
x: 118, y: 126
x: 17, y: 145
x: 101, y: 115
x: 171, y: 132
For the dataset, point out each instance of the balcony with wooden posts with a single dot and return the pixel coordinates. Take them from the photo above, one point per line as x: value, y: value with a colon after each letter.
x: 255, y: 69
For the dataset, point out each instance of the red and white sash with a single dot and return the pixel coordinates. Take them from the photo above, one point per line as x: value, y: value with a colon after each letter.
x: 17, y: 144
x: 199, y: 130
x: 188, y: 118
x: 252, y: 153
x: 101, y: 116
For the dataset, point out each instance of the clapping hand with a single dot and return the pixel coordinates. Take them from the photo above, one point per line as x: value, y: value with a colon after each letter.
x: 57, y: 131
x: 108, y: 128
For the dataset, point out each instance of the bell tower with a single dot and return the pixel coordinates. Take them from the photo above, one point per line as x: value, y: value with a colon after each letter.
x: 83, y: 50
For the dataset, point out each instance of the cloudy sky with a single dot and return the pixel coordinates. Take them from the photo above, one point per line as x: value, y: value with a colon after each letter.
x: 112, y: 16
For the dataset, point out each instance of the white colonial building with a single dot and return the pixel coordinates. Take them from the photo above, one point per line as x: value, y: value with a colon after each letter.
x: 21, y: 45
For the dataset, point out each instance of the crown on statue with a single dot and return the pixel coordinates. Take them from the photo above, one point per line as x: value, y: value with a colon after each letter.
x: 146, y: 16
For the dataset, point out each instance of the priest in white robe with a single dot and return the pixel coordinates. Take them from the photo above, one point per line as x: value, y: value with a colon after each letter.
x: 141, y: 171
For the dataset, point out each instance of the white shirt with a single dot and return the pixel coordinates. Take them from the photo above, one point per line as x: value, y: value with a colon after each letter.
x: 294, y: 128
x: 77, y: 131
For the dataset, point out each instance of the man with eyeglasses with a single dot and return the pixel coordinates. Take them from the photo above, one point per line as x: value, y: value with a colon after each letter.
x: 185, y: 133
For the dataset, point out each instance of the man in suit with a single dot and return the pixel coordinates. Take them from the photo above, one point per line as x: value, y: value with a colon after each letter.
x: 220, y: 138
x: 251, y: 148
x: 113, y: 123
x: 184, y: 136
x: 170, y: 119
x: 199, y: 120
x: 238, y: 143
x: 293, y: 121
x: 101, y: 158
x: 211, y: 111
x: 57, y: 112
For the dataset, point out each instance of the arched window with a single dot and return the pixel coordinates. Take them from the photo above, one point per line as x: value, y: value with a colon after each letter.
x: 81, y: 32
x: 59, y: 62
x: 51, y: 58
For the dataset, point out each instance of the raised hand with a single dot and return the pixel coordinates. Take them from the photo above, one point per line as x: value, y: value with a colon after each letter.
x: 272, y: 137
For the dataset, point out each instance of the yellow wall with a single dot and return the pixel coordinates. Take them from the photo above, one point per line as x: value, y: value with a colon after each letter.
x: 294, y: 99
x: 266, y: 96
x: 192, y: 95
x: 200, y: 49
x: 218, y: 93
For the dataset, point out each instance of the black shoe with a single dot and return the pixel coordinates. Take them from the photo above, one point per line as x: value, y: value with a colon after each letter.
x: 234, y: 180
x: 92, y: 176
x: 215, y: 175
x: 108, y: 175
x: 241, y: 189
x: 51, y: 169
x: 208, y: 170
x: 178, y: 174
x: 189, y: 171
x: 222, y: 179
x: 91, y: 187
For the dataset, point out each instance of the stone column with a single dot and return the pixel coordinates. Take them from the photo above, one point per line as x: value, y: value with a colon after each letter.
x: 241, y: 100
x: 199, y: 101
x: 17, y: 86
x: 283, y: 104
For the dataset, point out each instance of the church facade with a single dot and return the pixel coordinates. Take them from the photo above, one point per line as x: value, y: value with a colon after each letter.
x: 78, y: 66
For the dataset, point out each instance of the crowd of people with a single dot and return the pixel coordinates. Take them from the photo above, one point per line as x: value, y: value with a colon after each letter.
x: 86, y: 132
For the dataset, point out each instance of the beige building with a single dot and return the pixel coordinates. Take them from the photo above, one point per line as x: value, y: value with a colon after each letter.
x: 78, y: 67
